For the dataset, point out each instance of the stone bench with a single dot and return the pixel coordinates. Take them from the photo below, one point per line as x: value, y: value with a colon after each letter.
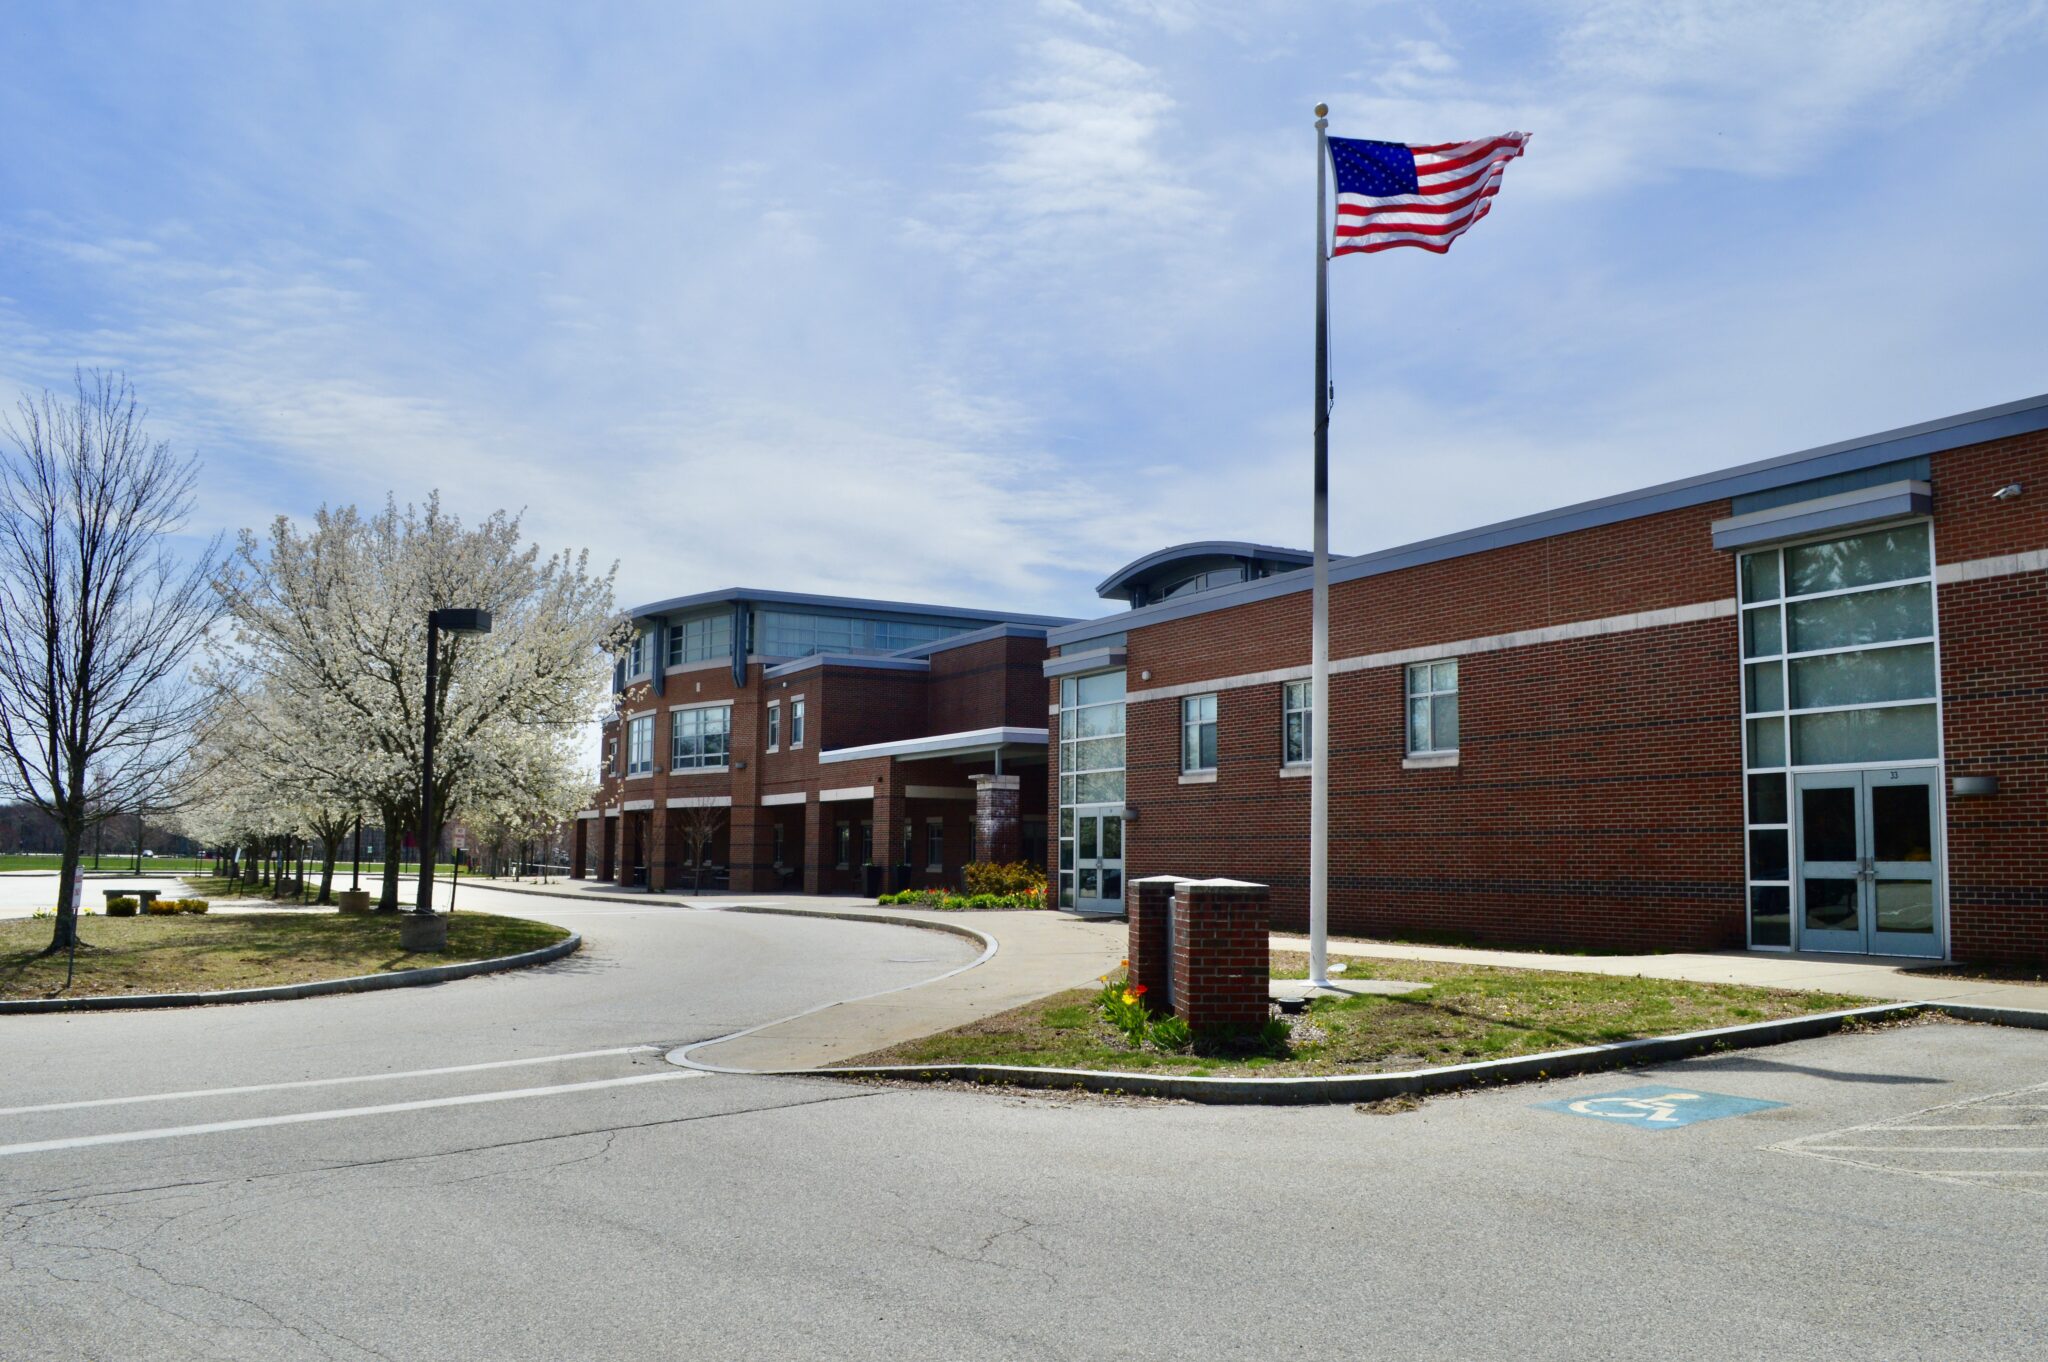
x: 142, y: 897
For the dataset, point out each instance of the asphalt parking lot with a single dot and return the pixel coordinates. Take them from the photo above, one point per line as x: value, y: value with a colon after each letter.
x: 590, y: 1200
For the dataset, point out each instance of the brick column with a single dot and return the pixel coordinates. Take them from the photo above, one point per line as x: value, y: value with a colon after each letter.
x: 1148, y: 906
x: 890, y: 812
x: 659, y: 840
x: 579, y: 849
x: 608, y: 851
x: 1221, y: 959
x: 814, y: 846
x: 751, y: 838
x: 998, y: 829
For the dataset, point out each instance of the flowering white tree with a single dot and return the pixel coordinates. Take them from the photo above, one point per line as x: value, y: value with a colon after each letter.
x: 332, y: 622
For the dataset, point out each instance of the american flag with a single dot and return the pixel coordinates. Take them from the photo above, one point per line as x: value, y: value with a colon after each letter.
x: 1391, y: 194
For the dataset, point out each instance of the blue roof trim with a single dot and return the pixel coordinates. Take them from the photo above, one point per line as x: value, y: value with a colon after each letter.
x: 853, y: 604
x: 872, y: 662
x: 988, y: 635
x: 2021, y: 417
x: 1200, y: 548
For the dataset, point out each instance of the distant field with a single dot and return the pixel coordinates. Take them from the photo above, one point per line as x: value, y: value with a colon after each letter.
x: 161, y: 865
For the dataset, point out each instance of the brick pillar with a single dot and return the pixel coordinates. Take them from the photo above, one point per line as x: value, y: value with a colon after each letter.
x: 890, y: 812
x: 1221, y: 959
x: 752, y: 839
x: 998, y: 829
x: 660, y: 837
x: 815, y: 849
x: 608, y: 849
x: 579, y: 849
x: 1148, y: 906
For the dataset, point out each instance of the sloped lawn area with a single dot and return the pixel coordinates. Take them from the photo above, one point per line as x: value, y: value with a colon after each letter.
x: 189, y: 954
x: 1466, y: 1013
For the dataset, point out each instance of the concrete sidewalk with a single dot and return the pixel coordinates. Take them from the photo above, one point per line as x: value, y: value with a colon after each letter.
x: 1867, y: 976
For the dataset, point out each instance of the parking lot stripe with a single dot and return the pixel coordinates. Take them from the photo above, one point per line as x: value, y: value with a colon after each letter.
x: 340, y: 1114
x: 326, y: 1082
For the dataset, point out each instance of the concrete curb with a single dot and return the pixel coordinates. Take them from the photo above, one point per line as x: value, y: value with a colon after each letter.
x: 361, y: 983
x: 1362, y: 1087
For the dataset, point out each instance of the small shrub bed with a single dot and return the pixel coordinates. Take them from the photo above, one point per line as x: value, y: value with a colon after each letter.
x: 1011, y: 878
x: 947, y: 901
x: 172, y: 907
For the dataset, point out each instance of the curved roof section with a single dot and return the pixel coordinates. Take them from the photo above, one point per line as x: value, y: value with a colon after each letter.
x: 805, y: 600
x: 1117, y: 586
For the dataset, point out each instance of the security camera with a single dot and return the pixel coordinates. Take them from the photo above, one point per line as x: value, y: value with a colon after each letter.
x: 2007, y: 492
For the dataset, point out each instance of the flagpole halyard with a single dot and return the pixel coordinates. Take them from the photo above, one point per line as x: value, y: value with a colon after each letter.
x: 1319, y: 714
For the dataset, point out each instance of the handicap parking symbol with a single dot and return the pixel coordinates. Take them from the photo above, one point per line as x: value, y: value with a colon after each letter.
x: 1658, y: 1108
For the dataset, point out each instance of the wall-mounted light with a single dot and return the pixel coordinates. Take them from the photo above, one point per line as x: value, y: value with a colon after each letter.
x: 1130, y: 813
x: 1144, y: 676
x: 1975, y: 786
x: 2007, y: 492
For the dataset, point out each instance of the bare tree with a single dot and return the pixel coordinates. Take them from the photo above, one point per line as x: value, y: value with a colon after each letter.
x: 98, y: 615
x: 700, y: 827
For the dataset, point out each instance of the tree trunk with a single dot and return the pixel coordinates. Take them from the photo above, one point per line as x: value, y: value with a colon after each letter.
x: 66, y: 934
x: 330, y: 851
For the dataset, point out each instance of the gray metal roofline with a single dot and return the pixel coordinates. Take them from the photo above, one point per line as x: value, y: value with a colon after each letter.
x: 881, y: 662
x: 727, y: 595
x: 2020, y: 417
x: 941, y: 744
x: 1006, y: 629
x: 1198, y: 548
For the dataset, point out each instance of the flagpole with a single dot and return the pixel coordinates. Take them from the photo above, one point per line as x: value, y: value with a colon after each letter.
x: 1319, y: 687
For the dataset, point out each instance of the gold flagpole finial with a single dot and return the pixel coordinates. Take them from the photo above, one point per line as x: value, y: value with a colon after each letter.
x: 1322, y: 111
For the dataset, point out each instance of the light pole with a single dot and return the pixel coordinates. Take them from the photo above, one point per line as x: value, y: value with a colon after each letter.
x: 453, y: 621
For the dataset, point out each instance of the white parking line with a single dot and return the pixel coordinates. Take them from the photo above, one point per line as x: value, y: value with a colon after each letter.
x: 1886, y: 1146
x: 344, y: 1113
x: 326, y: 1082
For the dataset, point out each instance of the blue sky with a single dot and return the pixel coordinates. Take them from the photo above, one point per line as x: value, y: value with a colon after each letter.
x: 974, y: 302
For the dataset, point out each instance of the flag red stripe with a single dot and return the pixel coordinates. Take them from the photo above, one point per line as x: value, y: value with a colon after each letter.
x: 1352, y: 210
x: 1431, y: 191
x: 1440, y: 167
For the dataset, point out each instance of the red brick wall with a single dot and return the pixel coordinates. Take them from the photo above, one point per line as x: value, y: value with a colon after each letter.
x: 992, y: 684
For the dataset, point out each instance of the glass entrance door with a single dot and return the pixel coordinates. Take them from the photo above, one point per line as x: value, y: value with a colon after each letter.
x: 1868, y: 880
x: 1099, y: 860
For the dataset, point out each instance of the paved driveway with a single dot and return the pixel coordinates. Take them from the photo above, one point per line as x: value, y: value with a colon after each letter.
x: 607, y: 1205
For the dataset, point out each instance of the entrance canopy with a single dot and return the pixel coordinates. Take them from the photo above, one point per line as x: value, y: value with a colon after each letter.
x: 976, y: 742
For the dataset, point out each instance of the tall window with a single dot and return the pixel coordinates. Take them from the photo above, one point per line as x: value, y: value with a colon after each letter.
x: 1838, y: 670
x: 1297, y: 722
x: 867, y: 842
x: 640, y: 745
x: 1198, y: 733
x: 1091, y: 763
x: 843, y: 839
x: 700, y: 639
x: 1432, y: 707
x: 934, y: 844
x: 778, y: 842
x: 700, y: 738
x: 796, y: 722
x: 774, y: 726
x: 611, y: 755
x: 636, y: 658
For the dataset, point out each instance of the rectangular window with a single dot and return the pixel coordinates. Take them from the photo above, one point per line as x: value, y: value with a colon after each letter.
x: 700, y: 739
x: 1198, y: 733
x: 867, y: 843
x: 611, y: 755
x: 842, y: 838
x: 1432, y: 707
x: 1091, y: 763
x: 1297, y: 722
x: 909, y: 842
x: 778, y: 843
x: 636, y: 658
x: 934, y: 844
x: 700, y: 639
x: 796, y: 722
x: 640, y: 745
x: 774, y: 726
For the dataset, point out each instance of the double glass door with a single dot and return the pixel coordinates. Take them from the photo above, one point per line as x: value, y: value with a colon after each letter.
x: 1867, y: 875
x: 1099, y: 860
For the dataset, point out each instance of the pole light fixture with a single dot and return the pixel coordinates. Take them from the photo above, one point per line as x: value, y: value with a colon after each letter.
x: 447, y: 621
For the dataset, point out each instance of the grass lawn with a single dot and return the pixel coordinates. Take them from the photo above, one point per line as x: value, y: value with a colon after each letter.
x: 244, y: 950
x: 1467, y: 1013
